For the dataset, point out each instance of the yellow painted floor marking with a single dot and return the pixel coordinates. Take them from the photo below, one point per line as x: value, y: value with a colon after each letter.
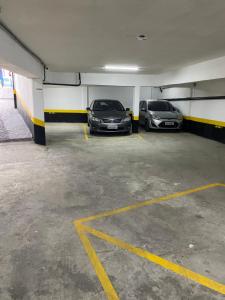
x: 147, y: 202
x: 85, y: 132
x: 140, y: 136
x: 158, y: 260
x: 96, y: 263
x: 110, y: 292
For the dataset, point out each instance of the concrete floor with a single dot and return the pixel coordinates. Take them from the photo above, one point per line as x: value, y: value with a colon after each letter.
x: 43, y: 189
x: 12, y: 125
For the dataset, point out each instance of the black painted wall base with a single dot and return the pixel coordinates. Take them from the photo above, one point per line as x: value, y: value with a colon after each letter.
x: 135, y: 126
x: 39, y: 135
x: 38, y: 132
x: 66, y: 117
x: 206, y: 130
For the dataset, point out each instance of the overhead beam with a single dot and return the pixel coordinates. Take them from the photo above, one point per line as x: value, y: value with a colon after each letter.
x: 16, y: 57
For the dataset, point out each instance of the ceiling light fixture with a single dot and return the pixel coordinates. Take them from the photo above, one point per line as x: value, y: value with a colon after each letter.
x: 121, y: 68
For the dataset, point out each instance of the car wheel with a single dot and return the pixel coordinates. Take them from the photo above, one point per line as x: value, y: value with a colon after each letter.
x: 91, y: 131
x: 130, y: 131
x: 147, y: 127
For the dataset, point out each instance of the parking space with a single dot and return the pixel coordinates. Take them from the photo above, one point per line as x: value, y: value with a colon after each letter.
x: 173, y: 238
x: 67, y: 132
x: 171, y: 248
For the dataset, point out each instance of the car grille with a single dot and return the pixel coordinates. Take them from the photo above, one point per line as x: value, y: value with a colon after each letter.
x: 110, y: 120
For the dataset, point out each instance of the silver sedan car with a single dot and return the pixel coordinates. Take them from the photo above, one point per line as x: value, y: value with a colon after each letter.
x: 159, y: 114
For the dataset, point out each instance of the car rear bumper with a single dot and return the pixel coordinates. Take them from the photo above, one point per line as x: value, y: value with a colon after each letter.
x: 171, y: 124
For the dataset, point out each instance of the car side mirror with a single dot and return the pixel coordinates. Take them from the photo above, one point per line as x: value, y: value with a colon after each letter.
x: 88, y: 108
x: 127, y: 109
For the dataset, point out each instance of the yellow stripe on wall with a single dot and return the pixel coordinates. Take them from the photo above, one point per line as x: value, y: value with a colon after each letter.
x: 205, y: 121
x: 136, y: 118
x: 66, y: 111
x: 32, y: 118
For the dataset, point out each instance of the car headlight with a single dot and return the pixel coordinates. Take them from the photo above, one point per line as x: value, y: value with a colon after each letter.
x: 156, y: 117
x: 95, y: 119
x: 180, y: 117
x: 127, y: 119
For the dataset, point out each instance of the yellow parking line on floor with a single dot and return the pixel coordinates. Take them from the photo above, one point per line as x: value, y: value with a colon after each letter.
x: 85, y: 132
x: 97, y: 265
x: 147, y: 202
x: 178, y: 269
x: 110, y: 292
x: 140, y: 136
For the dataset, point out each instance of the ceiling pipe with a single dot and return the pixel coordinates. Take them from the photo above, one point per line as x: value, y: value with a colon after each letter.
x: 19, y: 42
x: 34, y: 55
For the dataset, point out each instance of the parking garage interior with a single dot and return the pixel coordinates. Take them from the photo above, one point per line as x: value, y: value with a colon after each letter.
x: 112, y: 215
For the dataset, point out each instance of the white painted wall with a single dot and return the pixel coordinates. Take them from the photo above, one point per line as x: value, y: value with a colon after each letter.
x: 148, y: 92
x: 183, y: 106
x: 176, y: 92
x: 38, y: 99
x: 30, y: 92
x: 206, y: 109
x: 24, y: 89
x: 78, y: 98
x: 65, y: 98
x: 210, y: 88
x: 121, y: 93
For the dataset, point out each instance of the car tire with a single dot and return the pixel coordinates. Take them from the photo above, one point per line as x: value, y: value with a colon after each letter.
x: 91, y: 131
x: 129, y: 132
x: 147, y: 127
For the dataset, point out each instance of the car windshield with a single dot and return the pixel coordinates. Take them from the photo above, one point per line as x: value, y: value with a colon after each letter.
x: 159, y: 106
x: 107, y: 105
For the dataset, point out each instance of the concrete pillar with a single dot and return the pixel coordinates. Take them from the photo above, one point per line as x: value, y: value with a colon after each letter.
x: 84, y: 102
x: 135, y: 116
x: 38, y: 113
x: 84, y: 97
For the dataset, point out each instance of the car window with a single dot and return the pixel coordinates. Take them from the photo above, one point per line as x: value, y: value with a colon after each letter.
x: 107, y: 105
x: 159, y: 106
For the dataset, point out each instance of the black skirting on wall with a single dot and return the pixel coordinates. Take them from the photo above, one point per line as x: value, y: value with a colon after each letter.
x: 135, y: 126
x: 209, y: 131
x: 37, y: 131
x: 39, y: 135
x: 66, y: 117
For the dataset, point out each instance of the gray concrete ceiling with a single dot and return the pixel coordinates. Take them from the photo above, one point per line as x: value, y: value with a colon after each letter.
x: 84, y: 35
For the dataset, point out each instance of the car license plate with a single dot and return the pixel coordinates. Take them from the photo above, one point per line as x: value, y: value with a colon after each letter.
x: 169, y: 123
x: 112, y: 126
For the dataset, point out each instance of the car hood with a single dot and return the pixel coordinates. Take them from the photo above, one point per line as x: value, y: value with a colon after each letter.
x: 109, y: 114
x: 165, y: 114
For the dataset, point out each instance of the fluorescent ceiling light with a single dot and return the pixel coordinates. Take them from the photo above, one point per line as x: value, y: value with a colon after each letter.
x: 121, y: 68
